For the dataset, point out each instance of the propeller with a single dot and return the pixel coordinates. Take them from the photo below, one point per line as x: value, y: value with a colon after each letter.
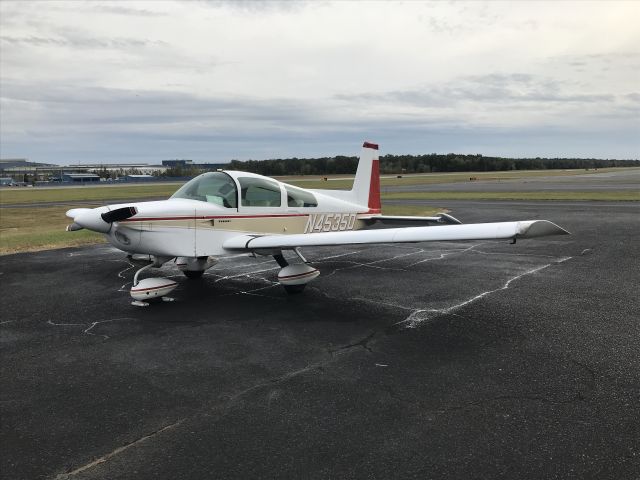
x: 97, y: 219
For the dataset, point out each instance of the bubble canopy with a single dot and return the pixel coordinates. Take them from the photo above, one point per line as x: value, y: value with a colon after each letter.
x: 213, y: 187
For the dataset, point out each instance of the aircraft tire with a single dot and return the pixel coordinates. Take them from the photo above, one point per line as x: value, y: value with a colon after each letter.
x: 293, y: 289
x: 193, y: 274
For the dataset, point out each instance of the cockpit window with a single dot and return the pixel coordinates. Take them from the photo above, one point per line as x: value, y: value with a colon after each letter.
x: 297, y: 197
x: 213, y: 187
x: 259, y: 192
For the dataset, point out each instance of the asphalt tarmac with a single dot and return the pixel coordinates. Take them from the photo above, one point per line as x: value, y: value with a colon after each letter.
x: 451, y: 360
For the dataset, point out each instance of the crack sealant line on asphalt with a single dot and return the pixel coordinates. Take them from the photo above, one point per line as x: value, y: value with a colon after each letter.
x: 447, y: 253
x: 363, y: 343
x: 371, y: 264
x: 336, y: 256
x: 115, y: 452
x: 385, y: 304
x: 412, y: 321
x: 271, y: 283
x: 562, y: 259
x: 355, y: 264
x: 230, y: 267
x: 225, y: 405
x: 121, y: 275
x: 90, y: 326
x: 245, y: 274
x: 251, y: 274
x: 93, y: 324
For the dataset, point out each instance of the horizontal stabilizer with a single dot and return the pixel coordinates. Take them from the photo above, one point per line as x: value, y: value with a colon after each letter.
x: 474, y: 231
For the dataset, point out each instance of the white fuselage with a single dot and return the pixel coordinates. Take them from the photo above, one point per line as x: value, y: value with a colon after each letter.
x: 182, y: 227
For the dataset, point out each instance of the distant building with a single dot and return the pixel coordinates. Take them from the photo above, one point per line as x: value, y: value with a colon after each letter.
x: 21, y: 170
x: 177, y: 163
x: 143, y: 168
x: 7, y: 163
x: 190, y: 164
x: 80, y: 177
x: 6, y: 181
x: 139, y: 178
x: 211, y: 166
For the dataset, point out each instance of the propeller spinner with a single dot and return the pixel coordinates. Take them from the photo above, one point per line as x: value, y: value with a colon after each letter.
x: 93, y: 219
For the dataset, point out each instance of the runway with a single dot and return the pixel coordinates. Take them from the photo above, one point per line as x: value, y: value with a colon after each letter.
x: 627, y: 179
x: 437, y: 360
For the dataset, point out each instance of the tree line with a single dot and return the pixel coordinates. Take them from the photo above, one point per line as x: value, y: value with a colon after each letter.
x: 397, y: 164
x: 430, y: 163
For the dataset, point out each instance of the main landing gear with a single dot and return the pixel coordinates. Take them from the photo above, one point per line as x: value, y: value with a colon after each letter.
x: 194, y: 268
x: 151, y: 288
x: 193, y: 274
x: 295, y: 277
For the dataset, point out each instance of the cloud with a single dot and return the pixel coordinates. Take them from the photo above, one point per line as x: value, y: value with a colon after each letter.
x: 259, y: 6
x: 515, y: 90
x: 121, y: 9
x: 81, y: 41
x: 113, y: 79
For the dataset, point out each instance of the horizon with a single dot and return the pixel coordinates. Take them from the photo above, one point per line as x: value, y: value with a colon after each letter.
x: 382, y: 155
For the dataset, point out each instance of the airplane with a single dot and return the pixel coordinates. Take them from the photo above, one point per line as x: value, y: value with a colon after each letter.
x: 225, y: 213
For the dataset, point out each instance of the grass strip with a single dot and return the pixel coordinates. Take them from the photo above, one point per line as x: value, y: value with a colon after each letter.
x: 112, y: 193
x: 41, y: 228
x: 88, y: 193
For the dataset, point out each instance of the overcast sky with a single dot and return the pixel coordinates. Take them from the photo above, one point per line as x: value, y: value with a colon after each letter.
x: 213, y: 81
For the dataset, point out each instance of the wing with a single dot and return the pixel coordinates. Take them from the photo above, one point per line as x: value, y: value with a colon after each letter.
x: 473, y: 231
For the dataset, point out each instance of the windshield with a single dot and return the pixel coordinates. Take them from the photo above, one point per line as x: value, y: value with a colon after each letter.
x: 213, y: 187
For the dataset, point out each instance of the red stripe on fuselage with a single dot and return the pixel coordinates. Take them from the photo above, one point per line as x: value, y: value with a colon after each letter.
x: 213, y: 217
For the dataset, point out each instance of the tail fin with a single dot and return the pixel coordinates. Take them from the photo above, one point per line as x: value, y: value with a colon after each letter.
x: 366, y: 185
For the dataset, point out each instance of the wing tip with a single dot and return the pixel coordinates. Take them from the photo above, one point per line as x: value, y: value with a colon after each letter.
x: 542, y: 228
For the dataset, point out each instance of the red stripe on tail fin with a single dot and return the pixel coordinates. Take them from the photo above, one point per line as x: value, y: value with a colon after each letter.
x: 374, y: 188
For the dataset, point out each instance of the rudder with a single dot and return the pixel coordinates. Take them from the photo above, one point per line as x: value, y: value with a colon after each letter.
x: 366, y: 185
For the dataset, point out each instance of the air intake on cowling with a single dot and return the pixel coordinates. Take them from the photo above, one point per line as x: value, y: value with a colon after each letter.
x: 119, y: 214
